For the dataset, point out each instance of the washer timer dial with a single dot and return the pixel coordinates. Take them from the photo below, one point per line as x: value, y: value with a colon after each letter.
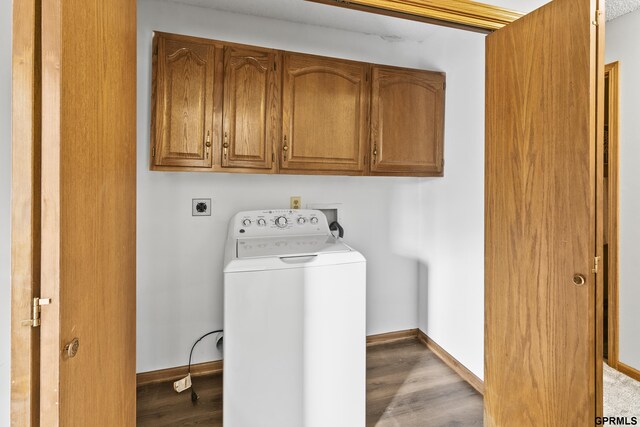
x: 281, y: 221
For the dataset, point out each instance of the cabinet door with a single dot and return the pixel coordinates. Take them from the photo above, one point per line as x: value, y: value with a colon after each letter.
x: 183, y: 99
x: 407, y: 122
x: 251, y: 101
x: 325, y: 105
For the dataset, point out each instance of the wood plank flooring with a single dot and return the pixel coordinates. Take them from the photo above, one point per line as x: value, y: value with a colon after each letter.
x: 407, y: 386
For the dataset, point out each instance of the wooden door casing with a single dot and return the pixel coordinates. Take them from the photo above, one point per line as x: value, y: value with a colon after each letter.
x: 25, y: 211
x: 407, y: 122
x: 88, y: 261
x: 251, y: 102
x: 182, y: 102
x: 541, y: 356
x: 325, y: 114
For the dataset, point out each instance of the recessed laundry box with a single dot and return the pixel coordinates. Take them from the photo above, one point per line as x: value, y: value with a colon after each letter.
x: 294, y: 320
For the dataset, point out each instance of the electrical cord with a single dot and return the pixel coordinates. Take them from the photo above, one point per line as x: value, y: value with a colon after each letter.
x: 194, y: 395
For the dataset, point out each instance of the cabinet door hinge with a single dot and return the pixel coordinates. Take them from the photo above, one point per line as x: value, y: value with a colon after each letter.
x: 153, y: 151
x: 36, y: 305
x: 596, y: 265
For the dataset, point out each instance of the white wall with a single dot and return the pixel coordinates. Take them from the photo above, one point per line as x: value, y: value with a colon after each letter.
x: 451, y: 290
x: 622, y: 45
x: 380, y: 215
x: 5, y: 199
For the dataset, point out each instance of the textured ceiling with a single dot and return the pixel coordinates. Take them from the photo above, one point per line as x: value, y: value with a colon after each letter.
x: 616, y: 8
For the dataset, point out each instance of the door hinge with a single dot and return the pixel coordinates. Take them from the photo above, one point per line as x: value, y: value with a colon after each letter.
x: 36, y: 305
x: 596, y: 21
x: 596, y: 265
x: 153, y: 151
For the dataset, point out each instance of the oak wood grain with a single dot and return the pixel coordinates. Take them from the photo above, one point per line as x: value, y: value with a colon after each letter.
x: 182, y: 102
x: 325, y: 105
x: 407, y: 121
x: 25, y: 211
x: 251, y: 108
x: 540, y: 218
x: 461, y: 14
x: 89, y: 212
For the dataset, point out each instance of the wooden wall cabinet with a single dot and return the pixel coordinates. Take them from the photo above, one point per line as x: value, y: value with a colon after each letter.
x: 250, y: 111
x: 182, y: 103
x: 407, y: 122
x: 225, y: 107
x: 324, y: 112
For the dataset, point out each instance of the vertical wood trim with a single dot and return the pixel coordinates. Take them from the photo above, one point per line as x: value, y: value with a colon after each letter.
x: 614, y: 212
x: 598, y: 138
x: 50, y: 217
x: 25, y: 211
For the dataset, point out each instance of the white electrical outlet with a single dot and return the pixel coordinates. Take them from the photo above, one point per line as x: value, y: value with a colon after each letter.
x: 183, y: 384
x: 201, y: 207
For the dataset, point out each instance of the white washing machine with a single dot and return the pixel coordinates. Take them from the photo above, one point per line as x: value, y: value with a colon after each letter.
x: 294, y: 323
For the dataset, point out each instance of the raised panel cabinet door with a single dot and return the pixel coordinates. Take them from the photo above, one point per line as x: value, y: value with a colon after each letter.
x: 325, y: 106
x: 251, y: 102
x: 543, y: 366
x: 183, y: 74
x: 407, y: 122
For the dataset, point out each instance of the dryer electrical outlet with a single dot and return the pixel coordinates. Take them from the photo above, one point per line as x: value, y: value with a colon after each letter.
x: 200, y: 207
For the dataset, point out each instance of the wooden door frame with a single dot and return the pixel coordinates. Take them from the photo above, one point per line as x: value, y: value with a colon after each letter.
x: 25, y: 210
x: 613, y: 205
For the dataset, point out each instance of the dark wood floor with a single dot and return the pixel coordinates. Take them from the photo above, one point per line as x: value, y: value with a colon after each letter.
x: 407, y: 386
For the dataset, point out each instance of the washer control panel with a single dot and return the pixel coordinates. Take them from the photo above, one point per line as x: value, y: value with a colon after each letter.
x: 278, y: 222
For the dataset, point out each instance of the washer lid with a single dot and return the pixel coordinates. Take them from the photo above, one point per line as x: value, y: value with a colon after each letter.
x: 289, y: 246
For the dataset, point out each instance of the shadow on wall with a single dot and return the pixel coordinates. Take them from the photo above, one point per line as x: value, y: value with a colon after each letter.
x: 423, y: 292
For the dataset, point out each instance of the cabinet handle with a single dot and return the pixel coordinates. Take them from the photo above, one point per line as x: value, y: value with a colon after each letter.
x: 226, y: 144
x: 207, y: 142
x: 285, y: 147
x: 375, y: 153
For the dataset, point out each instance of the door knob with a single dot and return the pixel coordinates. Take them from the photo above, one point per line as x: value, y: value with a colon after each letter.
x: 71, y: 349
x: 579, y: 280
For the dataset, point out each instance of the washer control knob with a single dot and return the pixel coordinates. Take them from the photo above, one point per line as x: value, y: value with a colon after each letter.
x: 302, y: 220
x: 281, y: 221
x: 262, y: 222
x: 246, y: 222
x: 314, y: 220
